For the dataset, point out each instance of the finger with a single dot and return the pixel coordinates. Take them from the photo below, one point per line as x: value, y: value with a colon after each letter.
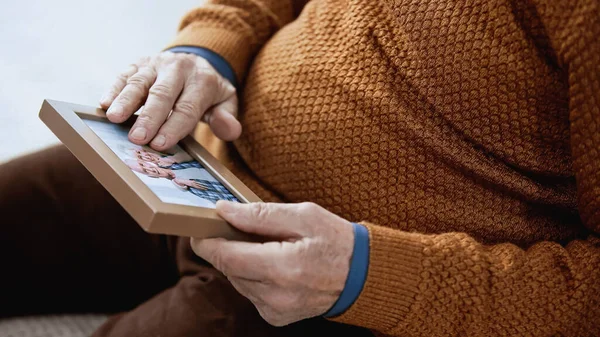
x: 132, y: 96
x: 222, y: 120
x: 117, y: 86
x: 161, y: 97
x: 251, y: 261
x: 270, y: 219
x: 183, y: 119
x: 201, y: 91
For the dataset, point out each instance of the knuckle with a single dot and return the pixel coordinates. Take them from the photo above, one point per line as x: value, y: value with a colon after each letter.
x: 308, y: 207
x: 124, y: 99
x: 207, y: 77
x: 260, y: 211
x: 139, y: 82
x: 122, y: 77
x: 161, y: 91
x: 146, y: 119
x: 112, y: 94
x: 178, y: 65
x: 131, y: 69
x: 201, y: 62
x: 181, y: 62
x: 165, y: 55
x: 228, y: 88
x: 187, y: 109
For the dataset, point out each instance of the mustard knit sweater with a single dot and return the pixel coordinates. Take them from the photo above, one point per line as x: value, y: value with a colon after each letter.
x: 464, y: 134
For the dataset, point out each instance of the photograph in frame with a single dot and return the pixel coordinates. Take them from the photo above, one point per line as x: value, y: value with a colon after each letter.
x: 171, y: 192
x: 173, y: 175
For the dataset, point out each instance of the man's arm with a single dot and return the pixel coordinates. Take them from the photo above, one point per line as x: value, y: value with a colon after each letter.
x: 236, y: 29
x: 195, y: 77
x: 450, y: 284
x: 444, y: 284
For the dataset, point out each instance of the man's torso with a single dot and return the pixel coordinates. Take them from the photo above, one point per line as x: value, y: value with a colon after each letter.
x: 431, y: 116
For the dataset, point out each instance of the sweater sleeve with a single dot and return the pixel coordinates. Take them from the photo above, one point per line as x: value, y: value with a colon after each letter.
x: 449, y: 284
x: 235, y: 29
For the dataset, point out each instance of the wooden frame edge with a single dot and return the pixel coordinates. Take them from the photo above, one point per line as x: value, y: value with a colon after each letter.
x: 153, y: 215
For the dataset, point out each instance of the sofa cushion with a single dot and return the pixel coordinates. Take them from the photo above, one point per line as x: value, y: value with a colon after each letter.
x: 51, y: 326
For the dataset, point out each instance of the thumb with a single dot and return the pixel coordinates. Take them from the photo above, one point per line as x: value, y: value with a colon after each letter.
x: 222, y: 119
x: 268, y: 219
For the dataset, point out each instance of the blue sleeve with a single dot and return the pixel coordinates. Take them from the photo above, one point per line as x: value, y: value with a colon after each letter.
x: 359, y: 264
x: 217, y: 61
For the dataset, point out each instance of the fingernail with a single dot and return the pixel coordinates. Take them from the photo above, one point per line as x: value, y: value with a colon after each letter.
x: 115, y: 110
x: 160, y: 140
x: 139, y: 134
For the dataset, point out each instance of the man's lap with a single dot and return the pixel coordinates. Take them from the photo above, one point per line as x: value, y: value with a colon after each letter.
x: 67, y: 245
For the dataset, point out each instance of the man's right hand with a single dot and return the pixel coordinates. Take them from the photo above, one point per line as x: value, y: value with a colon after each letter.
x: 185, y: 84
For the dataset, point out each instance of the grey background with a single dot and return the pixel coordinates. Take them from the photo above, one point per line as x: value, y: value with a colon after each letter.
x: 71, y: 50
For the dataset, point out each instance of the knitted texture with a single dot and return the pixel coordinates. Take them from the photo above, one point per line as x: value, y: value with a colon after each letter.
x: 463, y: 133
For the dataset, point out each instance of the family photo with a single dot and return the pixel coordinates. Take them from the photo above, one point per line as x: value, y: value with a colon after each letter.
x: 173, y: 175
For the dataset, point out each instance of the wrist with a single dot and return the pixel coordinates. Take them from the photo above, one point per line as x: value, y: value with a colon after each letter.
x: 216, y: 61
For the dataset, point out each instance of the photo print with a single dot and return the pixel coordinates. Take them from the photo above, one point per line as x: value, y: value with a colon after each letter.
x: 174, y: 176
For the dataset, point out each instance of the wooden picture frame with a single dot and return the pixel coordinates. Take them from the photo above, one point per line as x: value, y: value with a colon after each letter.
x: 70, y: 123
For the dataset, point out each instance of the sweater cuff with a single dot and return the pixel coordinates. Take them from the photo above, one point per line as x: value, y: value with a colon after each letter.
x: 392, y: 281
x: 234, y: 47
x: 359, y: 263
x: 215, y: 60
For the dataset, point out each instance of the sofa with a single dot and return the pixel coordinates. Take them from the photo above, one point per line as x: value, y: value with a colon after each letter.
x: 81, y: 325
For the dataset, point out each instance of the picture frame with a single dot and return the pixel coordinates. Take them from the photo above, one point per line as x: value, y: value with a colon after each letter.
x: 73, y: 125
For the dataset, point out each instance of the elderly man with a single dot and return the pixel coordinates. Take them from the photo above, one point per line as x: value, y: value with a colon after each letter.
x: 452, y: 148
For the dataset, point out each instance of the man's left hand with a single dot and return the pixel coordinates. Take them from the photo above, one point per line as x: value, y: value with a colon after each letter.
x: 299, y: 273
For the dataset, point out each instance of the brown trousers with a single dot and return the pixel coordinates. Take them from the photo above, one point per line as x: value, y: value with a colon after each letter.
x: 66, y: 246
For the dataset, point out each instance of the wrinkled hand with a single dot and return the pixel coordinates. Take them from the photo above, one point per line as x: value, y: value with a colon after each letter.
x: 298, y: 276
x: 184, y: 83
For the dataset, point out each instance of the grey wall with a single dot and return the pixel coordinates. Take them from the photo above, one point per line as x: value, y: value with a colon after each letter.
x: 70, y: 50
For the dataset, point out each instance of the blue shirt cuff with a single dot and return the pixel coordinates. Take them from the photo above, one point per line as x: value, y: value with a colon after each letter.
x: 216, y: 61
x: 359, y: 265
